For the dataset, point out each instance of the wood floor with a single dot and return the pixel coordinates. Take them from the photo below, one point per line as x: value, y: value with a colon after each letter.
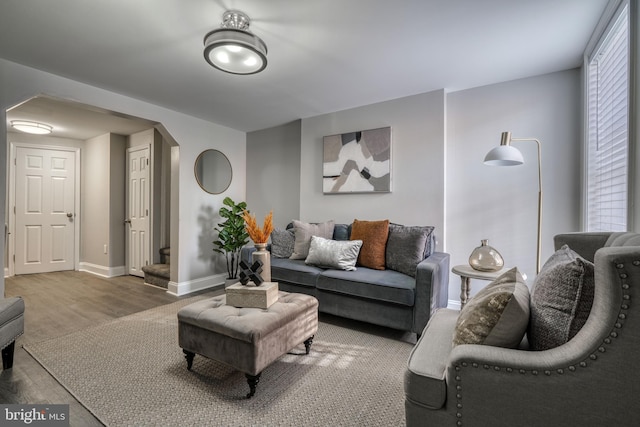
x: 58, y: 304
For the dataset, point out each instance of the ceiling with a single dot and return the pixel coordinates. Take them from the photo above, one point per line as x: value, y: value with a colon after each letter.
x: 323, y: 56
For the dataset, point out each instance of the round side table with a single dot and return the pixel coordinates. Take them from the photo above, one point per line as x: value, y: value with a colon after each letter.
x: 467, y: 273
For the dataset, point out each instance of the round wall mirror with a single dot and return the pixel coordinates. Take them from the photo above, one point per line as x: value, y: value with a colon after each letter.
x: 213, y: 171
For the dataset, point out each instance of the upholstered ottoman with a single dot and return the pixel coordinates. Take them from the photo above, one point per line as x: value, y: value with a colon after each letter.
x: 247, y: 339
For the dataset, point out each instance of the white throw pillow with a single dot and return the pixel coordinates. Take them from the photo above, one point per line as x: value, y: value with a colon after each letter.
x: 338, y: 254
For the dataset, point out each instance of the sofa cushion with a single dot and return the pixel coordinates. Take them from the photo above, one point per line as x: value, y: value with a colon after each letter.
x: 374, y: 236
x: 303, y: 232
x: 282, y: 242
x: 407, y: 246
x: 388, y: 285
x: 498, y: 315
x: 294, y: 271
x: 561, y: 299
x: 328, y: 253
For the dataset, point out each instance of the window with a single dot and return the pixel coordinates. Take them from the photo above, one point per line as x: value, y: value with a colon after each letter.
x: 608, y: 129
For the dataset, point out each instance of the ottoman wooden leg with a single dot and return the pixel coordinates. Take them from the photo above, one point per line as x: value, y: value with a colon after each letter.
x: 307, y: 344
x: 253, y: 381
x: 189, y: 356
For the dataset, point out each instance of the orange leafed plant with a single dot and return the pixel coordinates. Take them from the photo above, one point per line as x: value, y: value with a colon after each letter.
x: 257, y: 234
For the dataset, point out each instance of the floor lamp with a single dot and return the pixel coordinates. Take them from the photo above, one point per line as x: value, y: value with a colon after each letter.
x: 506, y: 155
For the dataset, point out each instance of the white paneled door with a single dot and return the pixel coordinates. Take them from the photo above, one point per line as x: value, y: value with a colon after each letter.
x: 138, y: 202
x: 45, y: 210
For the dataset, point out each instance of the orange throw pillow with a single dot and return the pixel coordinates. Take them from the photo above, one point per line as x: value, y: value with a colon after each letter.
x: 374, y: 236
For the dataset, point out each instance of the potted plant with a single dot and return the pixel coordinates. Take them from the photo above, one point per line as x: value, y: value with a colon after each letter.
x: 232, y: 235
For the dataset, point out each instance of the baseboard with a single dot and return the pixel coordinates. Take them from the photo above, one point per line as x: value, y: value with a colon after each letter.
x: 102, y: 271
x: 6, y: 272
x: 190, y: 286
x: 454, y: 304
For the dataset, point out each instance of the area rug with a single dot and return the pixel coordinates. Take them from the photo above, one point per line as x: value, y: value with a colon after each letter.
x: 131, y: 372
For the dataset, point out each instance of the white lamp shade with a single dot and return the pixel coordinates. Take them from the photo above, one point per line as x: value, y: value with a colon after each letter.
x: 504, y: 155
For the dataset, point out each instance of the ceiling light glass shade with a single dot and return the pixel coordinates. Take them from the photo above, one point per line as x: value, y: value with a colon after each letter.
x: 233, y: 48
x: 504, y: 155
x: 235, y: 51
x: 31, y: 127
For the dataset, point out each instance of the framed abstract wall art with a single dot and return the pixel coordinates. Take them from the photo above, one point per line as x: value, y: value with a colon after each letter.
x: 357, y: 162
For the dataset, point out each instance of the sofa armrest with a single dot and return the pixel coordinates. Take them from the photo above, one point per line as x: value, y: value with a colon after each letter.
x: 432, y: 288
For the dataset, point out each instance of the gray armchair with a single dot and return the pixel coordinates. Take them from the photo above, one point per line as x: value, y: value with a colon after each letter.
x: 11, y: 327
x: 592, y: 380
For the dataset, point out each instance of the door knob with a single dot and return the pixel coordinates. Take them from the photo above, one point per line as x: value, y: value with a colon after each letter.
x: 127, y: 221
x: 69, y: 215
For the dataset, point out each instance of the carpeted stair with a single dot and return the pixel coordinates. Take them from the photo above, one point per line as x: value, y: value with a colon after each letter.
x: 158, y: 274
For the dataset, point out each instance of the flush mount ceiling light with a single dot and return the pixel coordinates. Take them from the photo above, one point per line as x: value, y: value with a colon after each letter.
x: 232, y: 48
x: 31, y: 127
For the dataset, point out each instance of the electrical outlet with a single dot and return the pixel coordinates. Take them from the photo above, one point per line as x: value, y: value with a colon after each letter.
x: 105, y: 249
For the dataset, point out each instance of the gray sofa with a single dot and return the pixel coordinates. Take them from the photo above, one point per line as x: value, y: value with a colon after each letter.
x: 590, y: 380
x: 382, y: 297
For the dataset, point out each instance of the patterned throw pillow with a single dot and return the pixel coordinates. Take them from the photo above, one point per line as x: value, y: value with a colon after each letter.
x: 374, y: 236
x: 498, y: 315
x: 282, y: 242
x: 561, y: 299
x: 303, y: 232
x: 407, y: 246
x: 338, y: 254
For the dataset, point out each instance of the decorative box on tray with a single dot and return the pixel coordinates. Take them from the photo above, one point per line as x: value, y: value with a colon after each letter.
x: 252, y: 296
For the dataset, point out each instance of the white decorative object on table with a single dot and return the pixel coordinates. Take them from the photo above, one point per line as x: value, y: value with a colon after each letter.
x: 252, y: 296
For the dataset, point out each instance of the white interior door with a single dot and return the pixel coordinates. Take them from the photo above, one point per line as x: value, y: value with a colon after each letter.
x: 138, y: 205
x: 44, y: 210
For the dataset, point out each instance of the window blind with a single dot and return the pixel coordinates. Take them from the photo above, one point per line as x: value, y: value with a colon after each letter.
x: 608, y: 136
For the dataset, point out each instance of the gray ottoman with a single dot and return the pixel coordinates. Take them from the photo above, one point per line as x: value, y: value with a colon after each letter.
x: 247, y: 339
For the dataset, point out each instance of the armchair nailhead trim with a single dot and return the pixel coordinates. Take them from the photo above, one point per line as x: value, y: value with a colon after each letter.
x: 560, y: 371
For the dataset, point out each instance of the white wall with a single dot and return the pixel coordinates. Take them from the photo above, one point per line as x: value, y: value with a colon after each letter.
x: 196, y: 263
x: 500, y: 203
x: 418, y: 146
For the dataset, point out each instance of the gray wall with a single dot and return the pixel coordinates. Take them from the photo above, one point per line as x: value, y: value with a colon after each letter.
x: 417, y: 170
x: 95, y: 200
x: 273, y: 173
x: 117, y: 199
x: 500, y: 203
x: 439, y: 141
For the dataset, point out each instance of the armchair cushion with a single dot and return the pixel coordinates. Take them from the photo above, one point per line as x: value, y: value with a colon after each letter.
x: 498, y: 315
x: 561, y: 299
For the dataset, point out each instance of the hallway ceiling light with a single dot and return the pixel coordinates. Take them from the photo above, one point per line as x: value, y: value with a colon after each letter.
x: 232, y: 48
x: 31, y: 127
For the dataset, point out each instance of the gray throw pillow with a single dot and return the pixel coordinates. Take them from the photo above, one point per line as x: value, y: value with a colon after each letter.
x: 338, y: 254
x: 561, y: 299
x: 497, y: 315
x: 282, y: 242
x: 407, y: 246
x: 303, y: 232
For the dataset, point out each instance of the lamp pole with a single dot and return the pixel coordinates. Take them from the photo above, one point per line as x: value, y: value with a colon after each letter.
x: 539, y: 249
x: 507, y: 155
